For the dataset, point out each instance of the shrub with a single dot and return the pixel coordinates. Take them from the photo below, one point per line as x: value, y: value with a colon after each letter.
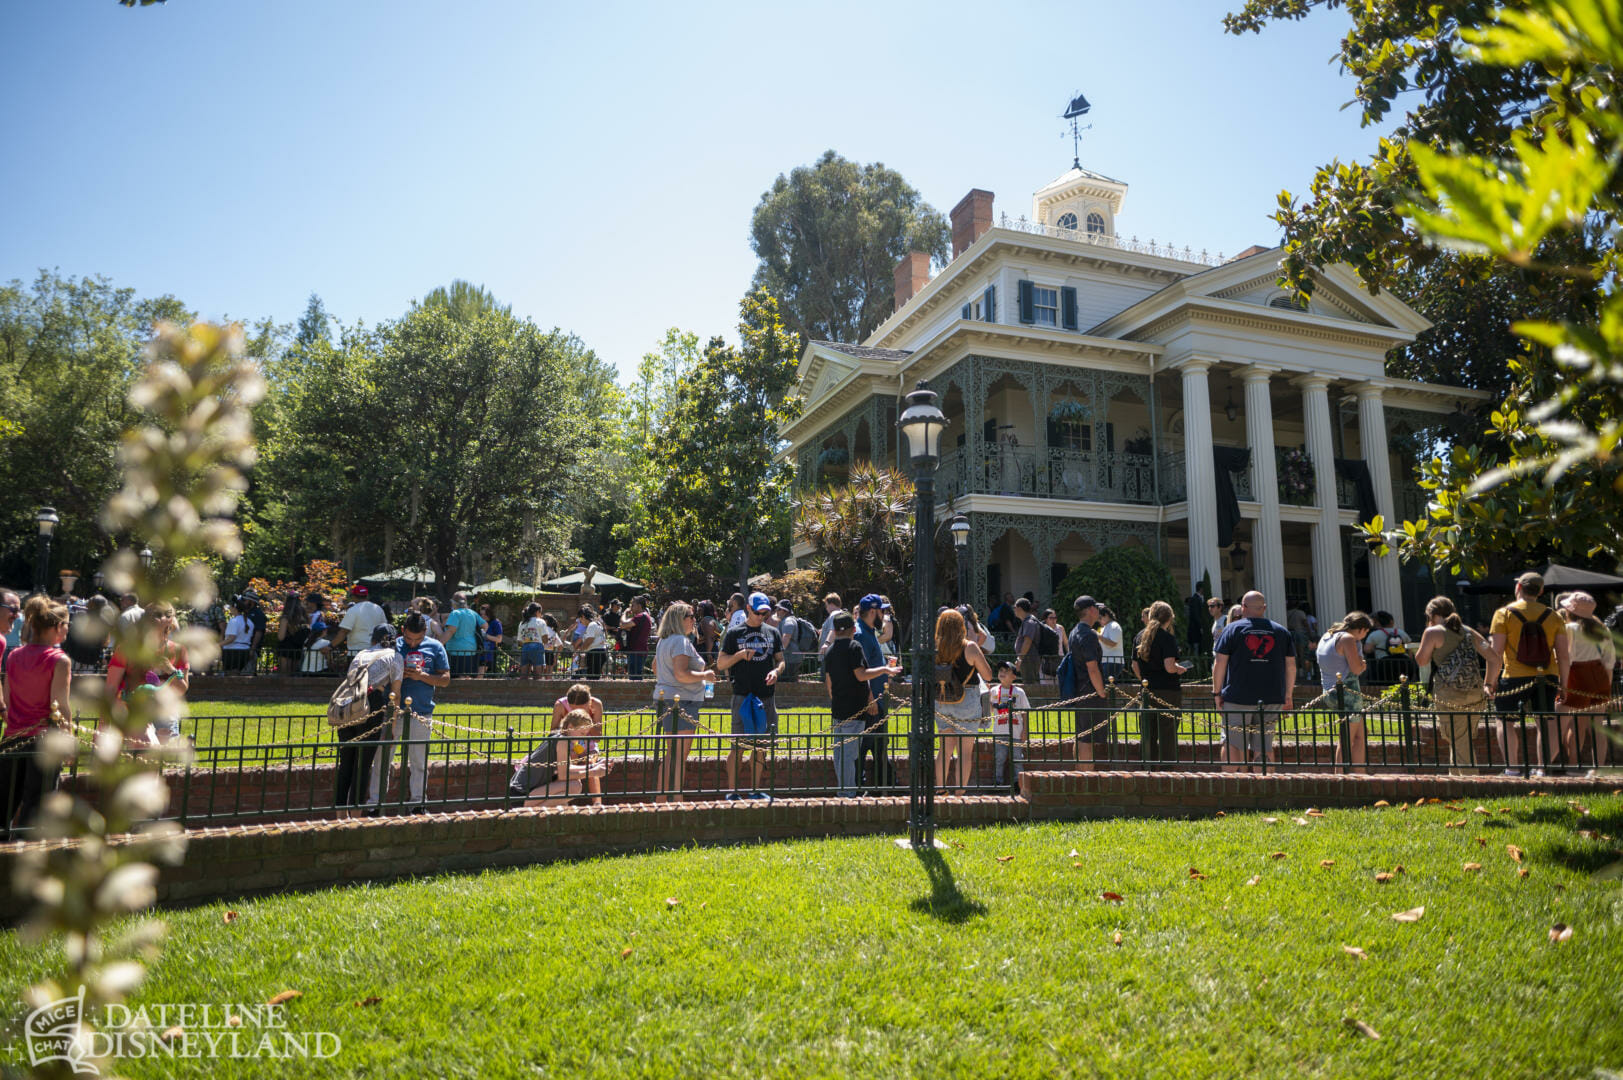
x: 1128, y: 578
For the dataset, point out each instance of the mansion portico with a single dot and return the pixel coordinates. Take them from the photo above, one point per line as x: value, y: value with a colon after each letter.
x: 1102, y: 391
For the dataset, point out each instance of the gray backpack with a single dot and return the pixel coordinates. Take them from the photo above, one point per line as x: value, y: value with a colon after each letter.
x: 1458, y: 671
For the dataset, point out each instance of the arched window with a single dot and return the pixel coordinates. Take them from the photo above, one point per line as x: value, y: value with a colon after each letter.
x: 1096, y: 224
x: 1289, y: 302
x: 1067, y: 220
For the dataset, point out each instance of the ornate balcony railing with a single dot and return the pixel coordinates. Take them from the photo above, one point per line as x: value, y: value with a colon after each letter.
x: 1046, y: 473
x: 1117, y: 243
x: 1174, y: 484
x: 1346, y: 494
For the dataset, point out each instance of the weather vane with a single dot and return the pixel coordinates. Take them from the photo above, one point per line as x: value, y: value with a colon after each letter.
x: 1077, y: 109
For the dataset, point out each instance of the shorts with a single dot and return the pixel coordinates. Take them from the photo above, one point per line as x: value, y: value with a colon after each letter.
x: 1240, y: 726
x: 532, y: 654
x: 679, y: 718
x: 1354, y: 697
x: 964, y: 717
x: 1537, y: 691
x: 1093, y: 724
x: 771, y: 723
x: 167, y: 727
x: 1589, y: 685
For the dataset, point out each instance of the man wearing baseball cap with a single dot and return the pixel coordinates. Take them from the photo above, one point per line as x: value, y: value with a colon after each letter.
x: 360, y: 619
x: 870, y: 610
x: 753, y: 653
x: 1092, y: 714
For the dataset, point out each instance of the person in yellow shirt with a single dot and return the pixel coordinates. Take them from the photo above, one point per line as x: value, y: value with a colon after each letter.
x: 1532, y: 651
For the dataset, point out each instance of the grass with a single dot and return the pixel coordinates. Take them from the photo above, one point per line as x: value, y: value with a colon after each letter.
x: 853, y: 958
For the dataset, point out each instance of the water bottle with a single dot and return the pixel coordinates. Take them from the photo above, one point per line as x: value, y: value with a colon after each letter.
x: 709, y: 690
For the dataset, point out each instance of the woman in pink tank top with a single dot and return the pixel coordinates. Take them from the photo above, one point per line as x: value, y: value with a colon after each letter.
x: 37, y: 678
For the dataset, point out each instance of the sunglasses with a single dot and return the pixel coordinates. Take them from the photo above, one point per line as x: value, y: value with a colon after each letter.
x: 13, y: 610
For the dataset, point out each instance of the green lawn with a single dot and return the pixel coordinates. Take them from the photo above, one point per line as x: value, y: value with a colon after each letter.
x: 853, y: 958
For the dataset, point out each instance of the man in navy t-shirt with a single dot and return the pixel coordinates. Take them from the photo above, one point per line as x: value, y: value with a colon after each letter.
x: 1253, y: 675
x: 426, y: 666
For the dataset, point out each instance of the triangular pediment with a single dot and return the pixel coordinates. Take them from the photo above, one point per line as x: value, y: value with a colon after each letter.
x: 822, y: 375
x: 1337, y: 293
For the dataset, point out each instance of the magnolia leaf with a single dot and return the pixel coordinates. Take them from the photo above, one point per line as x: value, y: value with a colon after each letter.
x: 1362, y: 1028
x: 368, y: 1002
x: 229, y: 917
x: 1560, y: 932
x: 1114, y: 898
x: 1380, y: 803
x: 1253, y: 879
x: 1196, y: 875
x: 1300, y: 820
x: 1315, y: 813
x: 1472, y: 867
x: 1325, y: 864
x: 671, y: 901
x: 1383, y: 877
x: 1277, y: 855
x: 1270, y: 821
x: 1005, y: 858
x: 170, y: 1034
x: 1514, y: 852
x: 625, y: 952
x: 1354, y: 950
x: 1116, y: 940
x: 1412, y: 915
x: 285, y: 996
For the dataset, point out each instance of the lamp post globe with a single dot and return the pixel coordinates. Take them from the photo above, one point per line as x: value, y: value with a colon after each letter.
x: 47, y: 520
x: 921, y: 422
x: 146, y: 558
x: 960, y: 529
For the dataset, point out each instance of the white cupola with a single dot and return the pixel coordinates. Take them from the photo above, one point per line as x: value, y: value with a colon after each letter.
x: 1081, y: 200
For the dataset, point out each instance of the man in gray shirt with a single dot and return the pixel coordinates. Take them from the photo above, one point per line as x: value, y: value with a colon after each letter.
x: 1025, y: 642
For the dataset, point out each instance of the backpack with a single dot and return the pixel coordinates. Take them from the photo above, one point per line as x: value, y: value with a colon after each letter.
x: 752, y: 720
x: 1458, y: 670
x: 348, y: 703
x: 805, y: 638
x: 949, y: 683
x: 1066, y: 675
x: 1047, y: 641
x: 1532, y: 650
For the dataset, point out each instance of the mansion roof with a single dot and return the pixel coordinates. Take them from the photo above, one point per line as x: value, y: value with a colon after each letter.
x: 865, y: 352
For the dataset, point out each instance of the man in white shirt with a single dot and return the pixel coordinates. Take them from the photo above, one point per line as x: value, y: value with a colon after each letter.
x: 360, y: 618
x: 1110, y: 644
x: 130, y: 609
x: 832, y: 605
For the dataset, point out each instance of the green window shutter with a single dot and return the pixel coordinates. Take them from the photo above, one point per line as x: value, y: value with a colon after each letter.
x: 1067, y: 307
x: 989, y: 306
x: 1026, y: 315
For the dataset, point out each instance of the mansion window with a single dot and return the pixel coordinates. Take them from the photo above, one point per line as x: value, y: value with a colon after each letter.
x: 1045, y: 306
x: 1067, y: 220
x: 1074, y: 435
x: 1096, y: 224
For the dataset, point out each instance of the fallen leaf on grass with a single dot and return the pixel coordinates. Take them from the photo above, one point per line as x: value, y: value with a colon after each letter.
x: 1220, y: 814
x: 1483, y: 810
x: 1114, y: 898
x: 671, y: 901
x: 1005, y: 858
x: 1472, y: 867
x: 1076, y: 866
x: 1451, y: 806
x: 959, y: 844
x: 1587, y: 834
x: 233, y: 1021
x: 1522, y: 872
x: 1404, y: 808
x: 1117, y: 939
x: 1398, y: 869
x: 1504, y: 809
x: 625, y: 952
x: 1196, y: 875
x: 1354, y: 950
x: 1314, y: 813
x: 1270, y: 821
x: 1254, y: 879
x: 1075, y: 854
x: 368, y: 1002
x: 285, y: 996
x: 1325, y: 864
x: 1514, y: 852
x: 1412, y: 915
x: 1560, y: 932
x: 1482, y: 841
x: 1453, y: 824
x: 1382, y: 878
x: 1277, y: 855
x: 229, y: 917
x: 1362, y: 1028
x: 1300, y: 820
x: 1381, y: 802
x: 170, y: 1034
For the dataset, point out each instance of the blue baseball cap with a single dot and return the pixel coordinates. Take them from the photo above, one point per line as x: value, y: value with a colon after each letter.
x: 759, y: 602
x: 869, y: 602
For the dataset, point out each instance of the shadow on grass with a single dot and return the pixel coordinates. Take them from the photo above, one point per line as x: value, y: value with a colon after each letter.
x: 1576, y: 853
x: 945, y: 901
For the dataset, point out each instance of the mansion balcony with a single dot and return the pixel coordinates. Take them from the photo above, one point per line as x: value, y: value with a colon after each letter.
x: 1110, y: 476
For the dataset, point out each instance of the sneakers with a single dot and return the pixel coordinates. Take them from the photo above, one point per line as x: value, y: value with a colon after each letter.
x: 733, y: 796
x: 1513, y: 772
x: 760, y: 796
x: 1537, y: 773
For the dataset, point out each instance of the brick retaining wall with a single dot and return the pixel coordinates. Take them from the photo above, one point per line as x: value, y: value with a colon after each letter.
x: 258, y: 859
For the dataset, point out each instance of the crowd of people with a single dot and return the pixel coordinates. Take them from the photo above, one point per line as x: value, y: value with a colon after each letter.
x: 1556, y: 663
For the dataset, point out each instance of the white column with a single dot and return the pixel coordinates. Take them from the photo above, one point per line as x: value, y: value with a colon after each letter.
x: 1329, y: 592
x: 1385, y: 586
x: 1200, y: 474
x: 1268, y: 548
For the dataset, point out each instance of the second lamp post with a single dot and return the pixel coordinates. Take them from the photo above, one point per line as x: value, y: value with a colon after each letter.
x: 921, y: 422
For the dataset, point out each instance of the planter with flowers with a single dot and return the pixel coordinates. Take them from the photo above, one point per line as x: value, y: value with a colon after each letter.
x: 1296, y: 479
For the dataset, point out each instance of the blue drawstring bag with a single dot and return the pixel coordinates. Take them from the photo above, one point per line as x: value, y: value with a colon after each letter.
x: 752, y: 719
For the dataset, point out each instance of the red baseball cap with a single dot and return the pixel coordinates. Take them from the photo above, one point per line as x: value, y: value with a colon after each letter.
x: 357, y: 590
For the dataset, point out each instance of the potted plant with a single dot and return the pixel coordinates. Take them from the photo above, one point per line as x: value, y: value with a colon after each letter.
x: 1296, y: 479
x: 833, y: 464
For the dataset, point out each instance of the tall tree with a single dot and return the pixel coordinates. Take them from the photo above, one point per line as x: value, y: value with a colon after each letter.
x: 483, y: 444
x: 829, y: 236
x: 315, y: 324
x: 721, y: 490
x: 69, y: 348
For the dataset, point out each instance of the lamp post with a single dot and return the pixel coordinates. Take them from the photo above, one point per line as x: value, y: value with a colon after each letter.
x: 921, y: 423
x: 146, y: 558
x: 959, y: 527
x: 47, y: 520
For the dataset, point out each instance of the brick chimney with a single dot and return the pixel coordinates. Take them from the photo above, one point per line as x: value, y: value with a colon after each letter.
x: 912, y: 275
x: 970, y: 219
x: 1254, y: 249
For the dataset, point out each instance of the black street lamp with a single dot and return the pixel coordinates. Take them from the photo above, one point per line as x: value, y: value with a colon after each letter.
x: 47, y: 520
x: 146, y: 558
x: 959, y: 527
x: 921, y: 422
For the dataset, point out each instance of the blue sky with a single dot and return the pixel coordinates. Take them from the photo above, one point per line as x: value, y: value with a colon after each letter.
x: 595, y: 165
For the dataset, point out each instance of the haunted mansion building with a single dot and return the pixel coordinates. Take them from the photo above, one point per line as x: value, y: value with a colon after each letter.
x: 1103, y: 391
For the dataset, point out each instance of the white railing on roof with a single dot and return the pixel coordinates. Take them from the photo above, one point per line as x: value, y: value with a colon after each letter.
x: 1082, y: 236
